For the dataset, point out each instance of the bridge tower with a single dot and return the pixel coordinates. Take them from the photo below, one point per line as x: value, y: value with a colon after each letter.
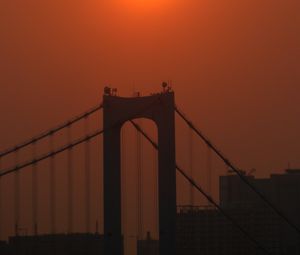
x: 117, y: 110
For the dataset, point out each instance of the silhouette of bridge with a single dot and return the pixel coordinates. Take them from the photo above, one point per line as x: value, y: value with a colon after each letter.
x: 61, y: 150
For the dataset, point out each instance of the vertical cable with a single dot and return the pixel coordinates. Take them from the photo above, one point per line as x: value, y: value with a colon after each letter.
x: 70, y: 183
x: 100, y: 197
x: 209, y: 171
x: 17, y: 193
x: 191, y: 191
x: 191, y: 166
x: 139, y: 183
x: 124, y: 179
x: 155, y: 178
x: 124, y: 187
x: 34, y: 192
x: 52, y: 187
x: 87, y: 178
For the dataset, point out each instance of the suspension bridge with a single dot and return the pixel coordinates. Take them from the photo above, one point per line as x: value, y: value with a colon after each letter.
x: 90, y: 175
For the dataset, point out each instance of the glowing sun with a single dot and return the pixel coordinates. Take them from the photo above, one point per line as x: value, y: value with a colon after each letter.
x: 144, y: 5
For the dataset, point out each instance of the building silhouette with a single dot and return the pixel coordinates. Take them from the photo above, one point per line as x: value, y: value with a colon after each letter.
x: 202, y: 230
x: 205, y: 231
x: 282, y: 190
x: 60, y: 244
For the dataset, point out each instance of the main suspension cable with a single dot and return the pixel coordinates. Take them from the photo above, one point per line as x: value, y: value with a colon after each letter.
x: 51, y: 131
x: 236, y: 170
x: 73, y: 144
x: 50, y: 154
x: 210, y: 199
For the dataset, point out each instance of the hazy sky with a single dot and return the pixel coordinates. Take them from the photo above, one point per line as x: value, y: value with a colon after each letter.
x: 234, y: 66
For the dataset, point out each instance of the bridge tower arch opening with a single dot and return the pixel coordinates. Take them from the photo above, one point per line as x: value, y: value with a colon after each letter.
x: 116, y: 111
x: 139, y: 175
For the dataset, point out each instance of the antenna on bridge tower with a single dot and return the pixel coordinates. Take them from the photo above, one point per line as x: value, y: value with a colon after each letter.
x: 166, y: 87
x: 107, y: 91
x: 110, y: 91
x: 114, y: 92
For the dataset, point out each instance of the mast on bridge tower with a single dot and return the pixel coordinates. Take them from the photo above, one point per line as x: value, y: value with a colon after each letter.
x: 116, y: 111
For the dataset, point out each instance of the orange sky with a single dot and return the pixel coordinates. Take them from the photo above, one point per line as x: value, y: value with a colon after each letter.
x: 234, y: 66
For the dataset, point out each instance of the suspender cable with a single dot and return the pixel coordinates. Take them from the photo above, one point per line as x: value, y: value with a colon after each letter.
x: 191, y: 166
x: 155, y: 178
x: 209, y: 170
x: 34, y: 192
x: 70, y: 182
x: 191, y: 173
x: 210, y: 199
x: 17, y: 194
x: 139, y: 184
x: 52, y: 186
x: 124, y: 183
x: 100, y: 196
x: 87, y: 178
